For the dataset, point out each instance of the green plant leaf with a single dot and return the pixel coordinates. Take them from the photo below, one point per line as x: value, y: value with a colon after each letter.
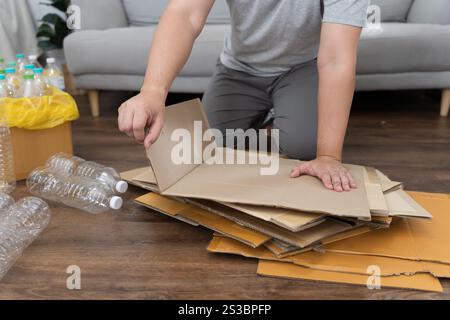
x: 45, y: 30
x: 61, y: 5
x: 51, y: 18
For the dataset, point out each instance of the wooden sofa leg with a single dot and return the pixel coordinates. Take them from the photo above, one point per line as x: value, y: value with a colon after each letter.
x: 94, y: 102
x: 445, y: 103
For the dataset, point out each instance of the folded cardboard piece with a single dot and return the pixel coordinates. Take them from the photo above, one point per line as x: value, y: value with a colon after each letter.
x: 238, y: 225
x: 242, y: 183
x: 330, y: 261
x: 413, y: 239
x: 422, y: 282
x: 340, y: 268
x: 196, y: 216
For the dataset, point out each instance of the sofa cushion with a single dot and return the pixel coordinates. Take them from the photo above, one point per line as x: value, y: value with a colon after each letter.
x: 404, y: 47
x: 393, y: 10
x: 101, y: 14
x: 125, y: 51
x: 422, y: 12
x: 145, y: 12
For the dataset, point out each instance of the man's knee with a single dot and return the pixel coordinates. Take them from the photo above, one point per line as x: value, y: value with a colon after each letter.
x: 298, y: 148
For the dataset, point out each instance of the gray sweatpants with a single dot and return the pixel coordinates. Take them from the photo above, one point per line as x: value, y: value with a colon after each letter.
x: 237, y: 100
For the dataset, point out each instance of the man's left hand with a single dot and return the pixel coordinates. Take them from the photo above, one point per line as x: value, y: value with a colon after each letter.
x: 333, y: 174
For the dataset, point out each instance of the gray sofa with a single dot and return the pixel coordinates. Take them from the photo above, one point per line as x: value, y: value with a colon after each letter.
x: 410, y: 49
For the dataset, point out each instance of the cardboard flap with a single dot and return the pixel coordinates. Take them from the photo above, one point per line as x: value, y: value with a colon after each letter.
x: 290, y: 219
x: 243, y: 183
x: 414, y: 239
x: 377, y: 202
x: 180, y: 119
x: 187, y: 212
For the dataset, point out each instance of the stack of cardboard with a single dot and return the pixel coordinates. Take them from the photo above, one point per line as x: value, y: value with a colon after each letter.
x: 295, y: 227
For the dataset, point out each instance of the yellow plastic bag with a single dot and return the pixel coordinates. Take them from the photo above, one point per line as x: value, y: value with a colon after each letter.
x: 39, y: 112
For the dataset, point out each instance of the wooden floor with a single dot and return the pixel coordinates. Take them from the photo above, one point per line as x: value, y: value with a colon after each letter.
x: 139, y: 254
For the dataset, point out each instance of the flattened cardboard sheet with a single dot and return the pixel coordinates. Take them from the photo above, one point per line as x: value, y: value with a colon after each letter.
x: 243, y: 183
x: 197, y: 216
x: 282, y: 251
x: 338, y: 262
x: 377, y: 202
x: 300, y: 239
x: 422, y: 282
x: 387, y: 184
x: 289, y: 219
x: 413, y: 239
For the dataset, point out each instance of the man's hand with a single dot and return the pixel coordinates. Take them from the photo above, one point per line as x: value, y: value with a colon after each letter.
x: 333, y: 174
x: 140, y: 113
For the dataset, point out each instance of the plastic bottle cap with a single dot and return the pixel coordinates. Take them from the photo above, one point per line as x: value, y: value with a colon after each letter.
x: 28, y: 76
x: 11, y: 64
x: 2, y: 76
x: 20, y: 56
x: 29, y: 66
x: 32, y: 57
x: 51, y: 60
x: 122, y: 186
x: 10, y: 70
x: 38, y: 70
x: 116, y: 203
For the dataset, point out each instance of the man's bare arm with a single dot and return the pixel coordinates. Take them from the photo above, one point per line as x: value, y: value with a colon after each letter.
x: 337, y: 73
x: 172, y: 43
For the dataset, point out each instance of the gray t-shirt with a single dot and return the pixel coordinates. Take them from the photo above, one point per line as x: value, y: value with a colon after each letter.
x: 269, y: 37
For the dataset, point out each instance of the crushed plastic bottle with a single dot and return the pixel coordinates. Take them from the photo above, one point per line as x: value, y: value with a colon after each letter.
x: 19, y: 227
x: 77, y: 192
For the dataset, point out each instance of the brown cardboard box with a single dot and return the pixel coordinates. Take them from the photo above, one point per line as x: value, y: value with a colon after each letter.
x: 32, y: 148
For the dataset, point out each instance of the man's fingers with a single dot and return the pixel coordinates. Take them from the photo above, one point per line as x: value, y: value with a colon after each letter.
x: 352, y: 181
x: 296, y: 172
x: 336, y: 180
x: 344, y: 180
x: 326, y: 180
x: 154, y: 131
x: 139, y: 122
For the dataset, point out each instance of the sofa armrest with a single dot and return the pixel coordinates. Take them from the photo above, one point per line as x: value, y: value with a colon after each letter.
x: 101, y: 14
x: 426, y: 11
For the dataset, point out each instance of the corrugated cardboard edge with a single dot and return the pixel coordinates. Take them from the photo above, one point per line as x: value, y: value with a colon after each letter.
x: 421, y: 282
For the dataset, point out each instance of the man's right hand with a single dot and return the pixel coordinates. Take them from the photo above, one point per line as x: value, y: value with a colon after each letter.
x: 142, y: 117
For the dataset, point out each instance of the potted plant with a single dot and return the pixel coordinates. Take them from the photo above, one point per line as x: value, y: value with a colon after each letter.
x: 53, y: 29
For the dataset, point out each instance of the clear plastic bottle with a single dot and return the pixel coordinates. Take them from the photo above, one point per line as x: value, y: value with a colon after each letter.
x: 5, y: 91
x: 76, y: 192
x: 6, y: 201
x: 54, y: 74
x: 7, y: 176
x: 28, y: 88
x: 72, y: 165
x: 13, y: 81
x: 42, y: 88
x: 21, y: 63
x: 33, y: 59
x: 19, y: 227
x: 105, y: 175
x: 64, y: 163
x: 46, y: 183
